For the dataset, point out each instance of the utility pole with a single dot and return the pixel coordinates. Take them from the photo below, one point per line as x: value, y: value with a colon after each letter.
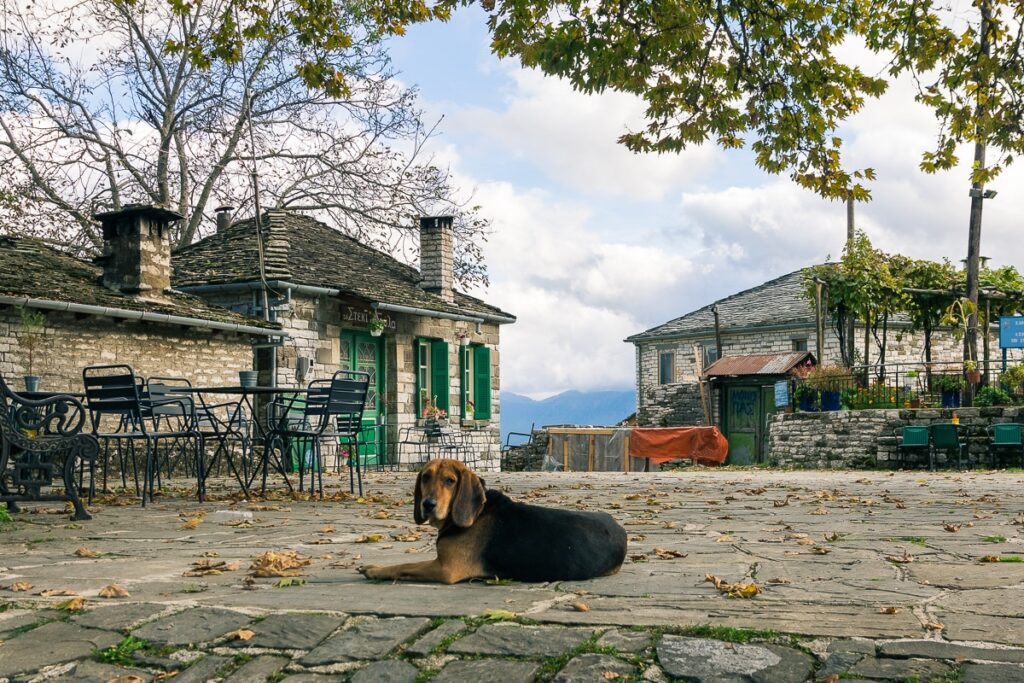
x: 850, y: 322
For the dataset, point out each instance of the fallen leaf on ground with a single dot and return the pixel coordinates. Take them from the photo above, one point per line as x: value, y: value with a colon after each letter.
x: 329, y: 529
x: 832, y: 536
x: 951, y: 527
x: 819, y: 550
x: 805, y: 541
x: 72, y: 605
x: 901, y: 559
x: 778, y: 581
x: 988, y: 558
x: 935, y: 626
x: 86, y: 552
x: 289, y: 581
x: 20, y: 586
x: 129, y: 679
x: 497, y: 614
x: 733, y: 590
x: 241, y: 634
x: 114, y: 591
x: 192, y: 523
x: 406, y: 538
x: 780, y: 503
x: 581, y: 607
x: 211, y: 568
x: 831, y: 678
x: 819, y: 511
x: 666, y: 554
x: 57, y: 592
x: 888, y: 610
x: 370, y: 538
x: 724, y: 538
x: 283, y: 563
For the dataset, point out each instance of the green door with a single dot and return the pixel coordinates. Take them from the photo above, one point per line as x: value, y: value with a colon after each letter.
x: 365, y: 353
x: 768, y: 409
x: 741, y: 424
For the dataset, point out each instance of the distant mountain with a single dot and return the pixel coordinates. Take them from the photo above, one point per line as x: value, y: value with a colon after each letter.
x: 599, y: 408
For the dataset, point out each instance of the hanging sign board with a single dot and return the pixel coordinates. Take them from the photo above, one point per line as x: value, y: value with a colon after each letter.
x: 1011, y: 332
x: 782, y: 393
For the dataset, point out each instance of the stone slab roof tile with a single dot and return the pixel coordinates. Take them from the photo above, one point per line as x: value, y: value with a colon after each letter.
x: 31, y: 268
x: 309, y: 252
x: 778, y: 301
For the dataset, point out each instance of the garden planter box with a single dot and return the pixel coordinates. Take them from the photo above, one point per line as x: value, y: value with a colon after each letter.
x: 829, y: 400
x: 951, y: 398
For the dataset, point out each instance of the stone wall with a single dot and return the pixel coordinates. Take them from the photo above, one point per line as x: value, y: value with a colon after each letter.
x: 665, y: 404
x: 69, y: 343
x: 865, y: 438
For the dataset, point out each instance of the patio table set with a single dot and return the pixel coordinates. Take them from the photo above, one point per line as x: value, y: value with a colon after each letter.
x: 172, y: 424
x: 1003, y: 440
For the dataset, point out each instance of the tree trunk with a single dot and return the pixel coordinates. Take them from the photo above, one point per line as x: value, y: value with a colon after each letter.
x: 848, y: 351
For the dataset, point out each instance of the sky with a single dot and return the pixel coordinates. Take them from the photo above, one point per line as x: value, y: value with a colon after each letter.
x: 592, y: 243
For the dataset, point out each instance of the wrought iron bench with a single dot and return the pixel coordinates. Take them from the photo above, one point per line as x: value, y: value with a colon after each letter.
x: 36, y: 439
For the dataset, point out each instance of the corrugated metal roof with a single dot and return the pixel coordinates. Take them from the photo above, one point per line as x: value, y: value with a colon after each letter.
x: 757, y: 364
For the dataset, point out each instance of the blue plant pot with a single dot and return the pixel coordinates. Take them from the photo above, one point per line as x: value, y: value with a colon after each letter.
x: 807, y: 404
x: 830, y: 400
x: 951, y: 398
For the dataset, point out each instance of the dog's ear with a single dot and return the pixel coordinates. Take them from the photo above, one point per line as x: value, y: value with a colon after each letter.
x: 417, y: 499
x: 469, y: 499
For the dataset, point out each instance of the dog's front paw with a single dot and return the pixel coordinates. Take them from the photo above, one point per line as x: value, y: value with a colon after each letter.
x: 371, y: 572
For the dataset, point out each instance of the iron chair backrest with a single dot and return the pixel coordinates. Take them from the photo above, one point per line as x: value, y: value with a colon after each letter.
x: 166, y: 399
x: 341, y: 400
x: 113, y: 390
x: 1006, y: 434
x: 914, y: 436
x: 945, y: 435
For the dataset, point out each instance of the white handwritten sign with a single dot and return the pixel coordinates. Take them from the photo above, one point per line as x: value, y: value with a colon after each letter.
x: 361, y: 317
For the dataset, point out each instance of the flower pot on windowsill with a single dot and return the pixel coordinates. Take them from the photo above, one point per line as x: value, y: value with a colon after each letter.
x: 32, y: 382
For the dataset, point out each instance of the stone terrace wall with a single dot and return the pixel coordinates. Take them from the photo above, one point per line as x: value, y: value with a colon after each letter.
x: 69, y: 343
x: 864, y: 438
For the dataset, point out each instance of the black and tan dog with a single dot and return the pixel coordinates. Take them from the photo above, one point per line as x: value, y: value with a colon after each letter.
x: 485, y: 534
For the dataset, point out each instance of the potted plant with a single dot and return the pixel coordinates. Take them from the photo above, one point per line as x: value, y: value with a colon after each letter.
x: 432, y: 416
x: 806, y: 397
x: 1013, y: 378
x: 830, y: 380
x: 32, y: 323
x: 992, y: 396
x: 467, y: 411
x: 972, y: 371
x: 911, y: 399
x: 949, y: 386
x: 376, y: 324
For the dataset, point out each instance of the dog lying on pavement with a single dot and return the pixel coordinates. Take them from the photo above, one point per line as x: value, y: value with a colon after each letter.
x: 484, y: 533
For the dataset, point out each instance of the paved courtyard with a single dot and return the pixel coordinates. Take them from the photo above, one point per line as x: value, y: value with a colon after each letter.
x: 861, y: 575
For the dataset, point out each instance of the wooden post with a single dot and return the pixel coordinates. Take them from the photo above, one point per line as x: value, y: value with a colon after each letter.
x: 850, y: 320
x: 718, y: 332
x: 819, y: 323
x: 625, y: 453
x: 591, y: 447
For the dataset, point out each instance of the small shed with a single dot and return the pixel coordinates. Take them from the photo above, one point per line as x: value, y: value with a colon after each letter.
x: 747, y: 396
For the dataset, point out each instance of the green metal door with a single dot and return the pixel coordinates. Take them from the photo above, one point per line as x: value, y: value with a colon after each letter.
x: 365, y: 353
x: 741, y: 423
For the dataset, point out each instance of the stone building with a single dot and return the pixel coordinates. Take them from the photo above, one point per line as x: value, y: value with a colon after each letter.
x: 323, y: 287
x: 116, y: 309
x: 772, y: 318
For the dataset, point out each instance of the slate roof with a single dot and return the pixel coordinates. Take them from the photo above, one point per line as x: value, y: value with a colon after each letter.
x: 31, y: 268
x: 776, y: 302
x: 303, y: 250
x: 757, y: 364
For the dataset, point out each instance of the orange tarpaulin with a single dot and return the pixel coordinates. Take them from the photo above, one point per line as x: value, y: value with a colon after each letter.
x: 705, y: 445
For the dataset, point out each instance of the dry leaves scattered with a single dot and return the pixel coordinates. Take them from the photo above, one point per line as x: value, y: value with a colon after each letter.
x: 72, y: 605
x: 282, y: 563
x: 114, y: 591
x: 128, y: 679
x: 905, y: 558
x: 211, y: 567
x: 581, y: 607
x: 950, y: 527
x: 935, y: 626
x: 86, y: 552
x: 57, y: 592
x: 733, y: 590
x: 19, y: 586
x: 888, y: 610
x: 370, y: 538
x: 666, y: 554
x: 241, y: 634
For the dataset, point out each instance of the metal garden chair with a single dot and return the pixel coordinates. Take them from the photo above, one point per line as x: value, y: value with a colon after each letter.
x: 912, y: 439
x: 1005, y: 438
x: 948, y: 437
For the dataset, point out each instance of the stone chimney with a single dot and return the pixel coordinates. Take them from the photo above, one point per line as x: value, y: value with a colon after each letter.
x: 225, y: 217
x: 137, y: 249
x: 437, y: 237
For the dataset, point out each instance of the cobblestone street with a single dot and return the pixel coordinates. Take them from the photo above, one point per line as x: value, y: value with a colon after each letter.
x: 858, y: 575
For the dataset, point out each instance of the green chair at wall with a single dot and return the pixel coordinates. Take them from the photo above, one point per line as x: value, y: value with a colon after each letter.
x: 911, y: 439
x: 948, y: 437
x: 1005, y: 438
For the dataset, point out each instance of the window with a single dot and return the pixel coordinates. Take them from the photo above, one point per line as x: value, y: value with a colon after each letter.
x: 710, y: 355
x: 667, y: 367
x: 476, y: 380
x: 431, y: 360
x: 800, y: 344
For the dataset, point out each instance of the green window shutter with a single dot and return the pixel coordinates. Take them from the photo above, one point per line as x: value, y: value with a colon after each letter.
x: 463, y: 351
x: 439, y: 373
x: 482, y: 382
x: 416, y: 344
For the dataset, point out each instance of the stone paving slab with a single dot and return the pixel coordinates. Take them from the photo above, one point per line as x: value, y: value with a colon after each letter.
x: 487, y: 671
x: 290, y: 631
x: 993, y: 673
x: 701, y: 660
x: 900, y: 669
x: 370, y: 639
x: 594, y: 667
x: 934, y: 649
x: 387, y: 671
x: 192, y: 626
x: 119, y: 617
x: 425, y: 645
x: 52, y: 643
x: 257, y: 670
x: 521, y: 640
x: 203, y: 670
x: 97, y: 672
